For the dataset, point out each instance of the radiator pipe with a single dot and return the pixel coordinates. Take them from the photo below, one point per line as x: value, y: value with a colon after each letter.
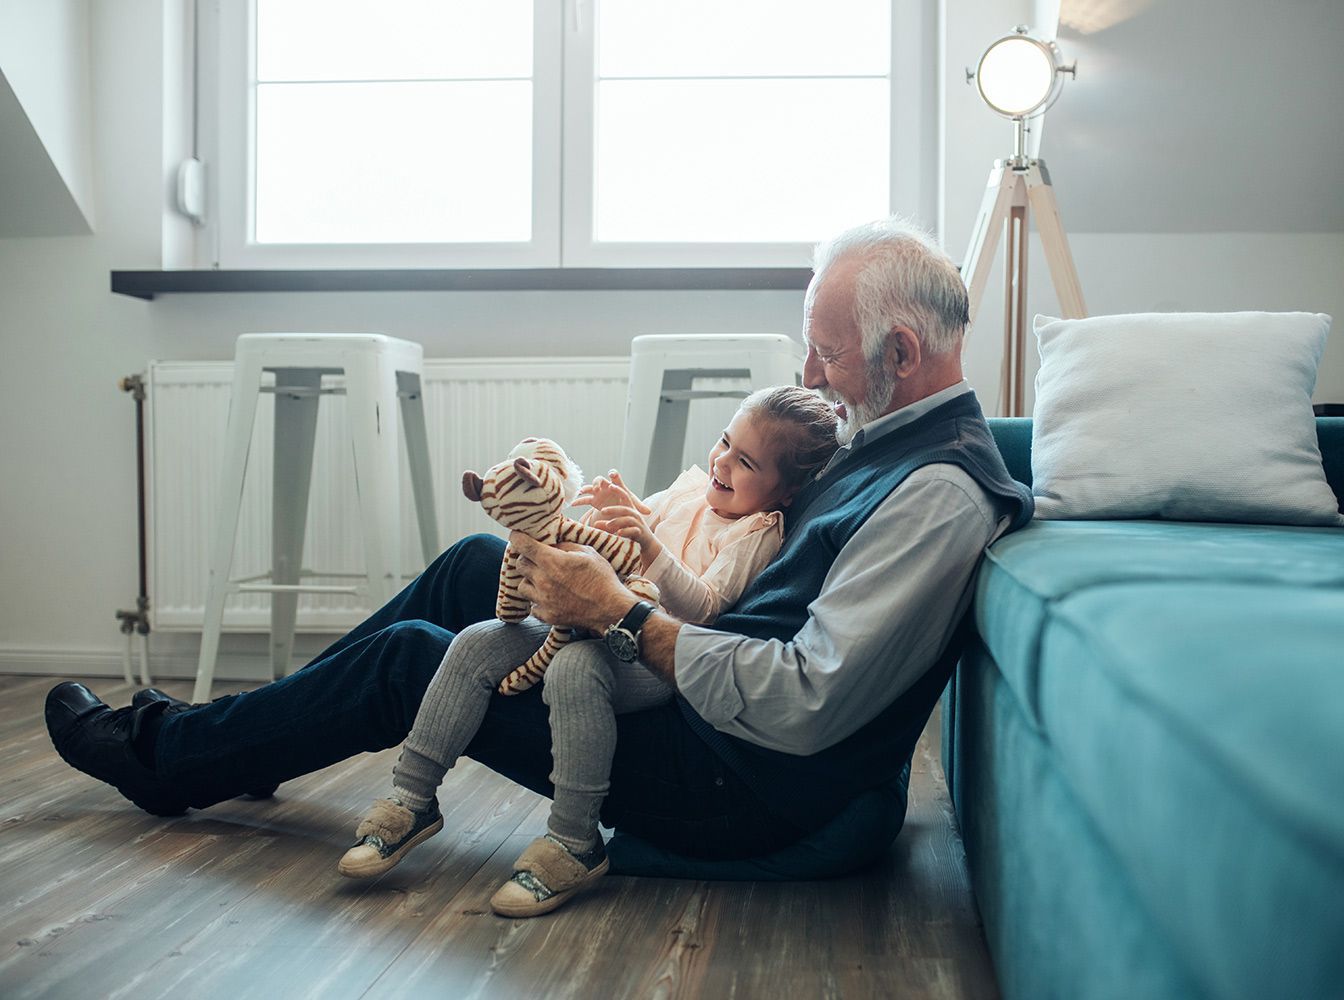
x: 137, y: 621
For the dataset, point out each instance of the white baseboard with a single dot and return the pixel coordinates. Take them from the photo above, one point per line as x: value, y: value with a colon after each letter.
x: 172, y: 664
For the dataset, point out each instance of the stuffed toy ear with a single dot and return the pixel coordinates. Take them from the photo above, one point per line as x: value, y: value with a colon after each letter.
x: 471, y: 486
x: 525, y: 470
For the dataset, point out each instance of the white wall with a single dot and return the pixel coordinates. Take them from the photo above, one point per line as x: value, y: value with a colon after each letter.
x: 67, y: 496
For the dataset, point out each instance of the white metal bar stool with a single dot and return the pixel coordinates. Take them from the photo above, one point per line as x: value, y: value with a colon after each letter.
x: 382, y: 390
x: 663, y: 370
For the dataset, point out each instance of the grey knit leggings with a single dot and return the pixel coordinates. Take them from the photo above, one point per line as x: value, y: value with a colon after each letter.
x: 585, y: 688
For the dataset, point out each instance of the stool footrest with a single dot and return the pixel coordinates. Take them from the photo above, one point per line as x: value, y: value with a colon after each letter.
x: 327, y: 574
x: 292, y: 588
x: 678, y: 395
x: 335, y: 390
x: 301, y: 390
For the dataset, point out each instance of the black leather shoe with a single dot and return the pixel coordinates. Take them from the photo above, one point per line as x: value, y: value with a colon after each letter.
x: 148, y: 696
x: 151, y: 696
x: 99, y: 741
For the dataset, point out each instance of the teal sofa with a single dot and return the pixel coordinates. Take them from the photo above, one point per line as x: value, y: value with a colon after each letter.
x: 1144, y: 744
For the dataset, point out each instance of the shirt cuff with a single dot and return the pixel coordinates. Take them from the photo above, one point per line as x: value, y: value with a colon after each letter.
x: 704, y: 670
x: 658, y: 569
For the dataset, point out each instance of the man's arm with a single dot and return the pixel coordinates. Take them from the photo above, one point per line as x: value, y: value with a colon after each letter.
x: 574, y: 586
x: 886, y: 610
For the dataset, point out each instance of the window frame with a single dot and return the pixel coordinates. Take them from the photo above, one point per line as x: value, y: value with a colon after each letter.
x: 914, y: 41
x: 564, y: 92
x: 234, y: 216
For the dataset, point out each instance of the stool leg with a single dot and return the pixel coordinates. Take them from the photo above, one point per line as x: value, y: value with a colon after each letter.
x: 371, y: 397
x: 669, y: 433
x: 641, y: 417
x: 417, y: 457
x: 295, y: 432
x: 237, y: 443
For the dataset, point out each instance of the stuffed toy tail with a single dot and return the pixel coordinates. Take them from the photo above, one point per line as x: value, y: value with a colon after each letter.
x: 530, y: 672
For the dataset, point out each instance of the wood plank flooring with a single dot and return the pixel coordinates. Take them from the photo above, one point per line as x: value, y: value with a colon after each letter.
x: 242, y: 900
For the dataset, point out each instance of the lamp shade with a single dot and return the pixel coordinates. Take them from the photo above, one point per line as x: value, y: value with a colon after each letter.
x: 1017, y: 75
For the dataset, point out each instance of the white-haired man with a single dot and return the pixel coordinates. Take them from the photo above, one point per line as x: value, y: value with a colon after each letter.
x: 810, y: 691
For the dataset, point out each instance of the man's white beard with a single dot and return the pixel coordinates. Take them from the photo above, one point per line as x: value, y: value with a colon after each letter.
x: 859, y: 415
x: 856, y: 415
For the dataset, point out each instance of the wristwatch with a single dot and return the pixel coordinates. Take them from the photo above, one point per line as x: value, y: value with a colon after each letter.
x: 623, y: 637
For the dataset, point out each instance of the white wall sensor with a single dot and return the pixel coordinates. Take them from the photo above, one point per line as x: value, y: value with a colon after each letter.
x: 191, y: 189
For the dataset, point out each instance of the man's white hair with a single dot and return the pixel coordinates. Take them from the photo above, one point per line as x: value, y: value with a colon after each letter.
x: 905, y: 280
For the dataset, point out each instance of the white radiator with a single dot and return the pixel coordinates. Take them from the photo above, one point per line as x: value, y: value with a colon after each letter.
x: 476, y: 411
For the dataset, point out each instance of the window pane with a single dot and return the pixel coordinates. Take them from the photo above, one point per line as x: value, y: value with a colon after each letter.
x: 394, y: 162
x: 393, y: 39
x: 739, y: 160
x: 743, y: 37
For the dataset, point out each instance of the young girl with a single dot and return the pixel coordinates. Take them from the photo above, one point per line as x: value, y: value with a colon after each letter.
x: 702, y: 541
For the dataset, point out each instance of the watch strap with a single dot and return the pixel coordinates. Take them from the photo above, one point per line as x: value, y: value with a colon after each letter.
x: 636, y: 617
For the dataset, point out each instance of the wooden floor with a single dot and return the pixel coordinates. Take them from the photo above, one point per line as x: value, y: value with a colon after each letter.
x: 98, y: 899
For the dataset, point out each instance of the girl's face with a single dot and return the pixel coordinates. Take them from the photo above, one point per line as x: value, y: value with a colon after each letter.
x: 744, y: 470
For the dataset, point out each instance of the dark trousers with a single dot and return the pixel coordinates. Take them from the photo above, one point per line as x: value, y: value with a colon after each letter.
x: 362, y: 693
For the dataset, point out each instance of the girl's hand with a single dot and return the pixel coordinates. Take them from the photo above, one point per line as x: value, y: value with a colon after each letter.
x: 617, y: 483
x: 628, y: 522
x: 608, y: 491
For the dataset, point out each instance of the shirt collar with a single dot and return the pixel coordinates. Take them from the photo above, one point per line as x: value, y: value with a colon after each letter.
x: 884, y: 425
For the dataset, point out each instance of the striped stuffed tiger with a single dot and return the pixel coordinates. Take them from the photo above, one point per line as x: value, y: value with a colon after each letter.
x: 527, y: 492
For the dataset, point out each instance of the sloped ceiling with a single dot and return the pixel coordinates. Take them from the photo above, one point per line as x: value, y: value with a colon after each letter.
x: 1200, y: 116
x: 46, y: 169
x: 34, y: 198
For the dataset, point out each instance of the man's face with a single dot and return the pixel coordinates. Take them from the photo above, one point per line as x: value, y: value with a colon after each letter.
x: 835, y: 364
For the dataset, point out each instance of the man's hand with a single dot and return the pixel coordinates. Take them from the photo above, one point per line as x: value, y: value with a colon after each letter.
x: 571, y: 586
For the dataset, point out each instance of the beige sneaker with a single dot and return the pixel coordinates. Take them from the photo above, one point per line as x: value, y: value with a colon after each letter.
x: 386, y: 834
x: 546, y: 876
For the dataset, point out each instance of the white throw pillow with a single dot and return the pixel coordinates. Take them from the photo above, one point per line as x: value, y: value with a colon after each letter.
x: 1185, y: 416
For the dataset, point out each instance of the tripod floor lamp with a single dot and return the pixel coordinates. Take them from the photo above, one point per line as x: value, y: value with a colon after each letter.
x: 1019, y: 77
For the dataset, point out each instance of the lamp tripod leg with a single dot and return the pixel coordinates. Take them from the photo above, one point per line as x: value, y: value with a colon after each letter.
x: 1010, y: 197
x: 1063, y: 273
x: 1013, y: 368
x: 998, y: 197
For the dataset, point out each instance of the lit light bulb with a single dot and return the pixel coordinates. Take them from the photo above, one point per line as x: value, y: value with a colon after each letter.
x: 1016, y: 75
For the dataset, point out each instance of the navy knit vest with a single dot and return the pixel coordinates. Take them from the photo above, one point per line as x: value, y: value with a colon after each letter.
x: 809, y: 790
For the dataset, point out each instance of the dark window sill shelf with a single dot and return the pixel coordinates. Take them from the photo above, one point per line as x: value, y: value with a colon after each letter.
x: 148, y: 284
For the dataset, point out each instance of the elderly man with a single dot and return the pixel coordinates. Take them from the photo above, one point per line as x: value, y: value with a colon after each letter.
x: 811, y: 690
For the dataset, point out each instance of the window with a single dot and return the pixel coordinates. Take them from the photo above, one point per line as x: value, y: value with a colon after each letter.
x: 611, y: 133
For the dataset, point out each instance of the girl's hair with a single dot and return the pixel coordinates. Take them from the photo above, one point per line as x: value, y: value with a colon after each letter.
x: 808, y: 425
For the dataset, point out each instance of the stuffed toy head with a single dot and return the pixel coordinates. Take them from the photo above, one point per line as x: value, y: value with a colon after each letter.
x: 528, y: 492
x: 528, y: 489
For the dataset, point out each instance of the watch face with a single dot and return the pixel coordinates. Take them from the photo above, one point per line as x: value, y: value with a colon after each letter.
x: 622, y: 644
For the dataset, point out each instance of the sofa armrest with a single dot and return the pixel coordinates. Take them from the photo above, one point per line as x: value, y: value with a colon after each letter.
x: 1013, y: 436
x: 1330, y: 435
